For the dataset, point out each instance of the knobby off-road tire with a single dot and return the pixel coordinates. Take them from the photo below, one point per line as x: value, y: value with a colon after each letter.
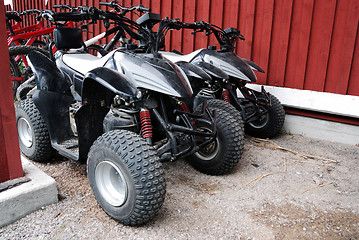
x: 17, y: 68
x: 269, y: 124
x: 126, y: 177
x: 34, y: 137
x: 24, y: 50
x: 221, y: 156
x: 15, y: 72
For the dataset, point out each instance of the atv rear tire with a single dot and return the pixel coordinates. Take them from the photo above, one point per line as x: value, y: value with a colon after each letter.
x: 34, y: 137
x: 222, y: 155
x: 126, y: 177
x: 270, y: 123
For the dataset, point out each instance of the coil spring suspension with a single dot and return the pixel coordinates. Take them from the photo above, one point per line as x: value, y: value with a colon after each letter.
x: 225, y: 96
x: 183, y: 107
x: 146, y: 125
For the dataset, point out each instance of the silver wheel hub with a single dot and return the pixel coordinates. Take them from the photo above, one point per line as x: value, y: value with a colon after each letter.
x: 261, y: 121
x: 111, y: 183
x: 25, y: 132
x: 209, y: 152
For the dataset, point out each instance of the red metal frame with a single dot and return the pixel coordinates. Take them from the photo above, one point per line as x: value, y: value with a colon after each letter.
x: 30, y: 33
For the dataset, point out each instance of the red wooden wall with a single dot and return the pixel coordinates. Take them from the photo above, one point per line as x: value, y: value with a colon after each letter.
x: 302, y: 44
x: 10, y: 163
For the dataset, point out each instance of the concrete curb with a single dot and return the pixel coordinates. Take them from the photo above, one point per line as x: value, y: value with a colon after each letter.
x: 322, y: 129
x: 28, y: 197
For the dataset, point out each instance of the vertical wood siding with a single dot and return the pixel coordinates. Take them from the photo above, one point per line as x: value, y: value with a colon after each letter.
x: 302, y: 44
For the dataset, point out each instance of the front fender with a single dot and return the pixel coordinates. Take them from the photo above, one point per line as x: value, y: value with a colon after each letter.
x: 253, y: 66
x: 192, y: 70
x: 212, y: 70
x: 153, y: 72
x: 228, y: 62
x: 103, y: 83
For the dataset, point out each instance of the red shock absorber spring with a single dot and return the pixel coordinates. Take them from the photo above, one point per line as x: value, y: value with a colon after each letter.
x: 183, y: 107
x: 146, y: 125
x: 225, y: 96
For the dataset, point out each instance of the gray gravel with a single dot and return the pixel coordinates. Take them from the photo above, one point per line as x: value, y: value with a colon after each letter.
x: 286, y: 203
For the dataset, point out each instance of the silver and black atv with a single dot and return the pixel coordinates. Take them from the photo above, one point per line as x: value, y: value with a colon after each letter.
x: 262, y: 112
x: 122, y: 114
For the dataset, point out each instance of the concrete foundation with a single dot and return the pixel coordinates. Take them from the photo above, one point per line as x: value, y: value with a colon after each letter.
x: 322, y: 129
x: 27, y: 197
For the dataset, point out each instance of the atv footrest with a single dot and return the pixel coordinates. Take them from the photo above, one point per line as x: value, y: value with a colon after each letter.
x: 68, y: 148
x: 70, y: 143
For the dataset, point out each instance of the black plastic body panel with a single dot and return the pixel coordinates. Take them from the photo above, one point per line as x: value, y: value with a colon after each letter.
x: 192, y: 70
x: 212, y: 70
x: 113, y: 81
x: 253, y: 65
x: 54, y: 109
x: 228, y: 57
x: 48, y: 76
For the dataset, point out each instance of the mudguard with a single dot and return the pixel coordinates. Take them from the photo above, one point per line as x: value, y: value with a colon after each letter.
x: 192, y: 70
x: 54, y: 109
x: 228, y: 62
x: 253, y: 66
x: 154, y: 72
x: 100, y: 86
x: 104, y: 83
x: 48, y: 76
x: 212, y: 70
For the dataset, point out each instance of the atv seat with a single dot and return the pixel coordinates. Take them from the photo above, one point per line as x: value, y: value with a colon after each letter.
x: 83, y: 63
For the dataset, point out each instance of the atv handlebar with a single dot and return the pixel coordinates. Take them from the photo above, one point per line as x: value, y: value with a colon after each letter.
x: 124, y: 10
x: 71, y: 16
x: 78, y: 14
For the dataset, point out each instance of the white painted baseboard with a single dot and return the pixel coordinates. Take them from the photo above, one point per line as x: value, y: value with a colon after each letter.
x: 338, y: 104
x: 322, y: 129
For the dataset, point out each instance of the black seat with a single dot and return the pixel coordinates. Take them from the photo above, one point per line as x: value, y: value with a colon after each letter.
x: 67, y: 38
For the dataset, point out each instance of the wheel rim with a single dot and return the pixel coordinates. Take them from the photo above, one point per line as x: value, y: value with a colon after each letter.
x: 111, y: 183
x: 25, y: 132
x: 209, y: 152
x: 261, y: 121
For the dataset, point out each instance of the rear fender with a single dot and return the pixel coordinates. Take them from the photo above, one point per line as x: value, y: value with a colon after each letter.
x: 48, y: 76
x: 54, y: 109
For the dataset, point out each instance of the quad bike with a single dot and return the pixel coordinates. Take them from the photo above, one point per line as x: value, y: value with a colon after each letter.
x: 262, y: 112
x: 122, y: 114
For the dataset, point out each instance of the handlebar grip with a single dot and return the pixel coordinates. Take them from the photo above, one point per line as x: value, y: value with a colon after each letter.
x: 141, y: 8
x: 12, y: 15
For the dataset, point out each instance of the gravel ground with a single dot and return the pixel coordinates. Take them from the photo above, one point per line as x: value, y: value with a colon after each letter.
x: 271, y: 194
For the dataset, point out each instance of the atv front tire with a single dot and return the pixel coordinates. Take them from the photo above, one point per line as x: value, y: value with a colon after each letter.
x: 126, y: 177
x: 34, y: 137
x: 268, y: 125
x: 222, y: 155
